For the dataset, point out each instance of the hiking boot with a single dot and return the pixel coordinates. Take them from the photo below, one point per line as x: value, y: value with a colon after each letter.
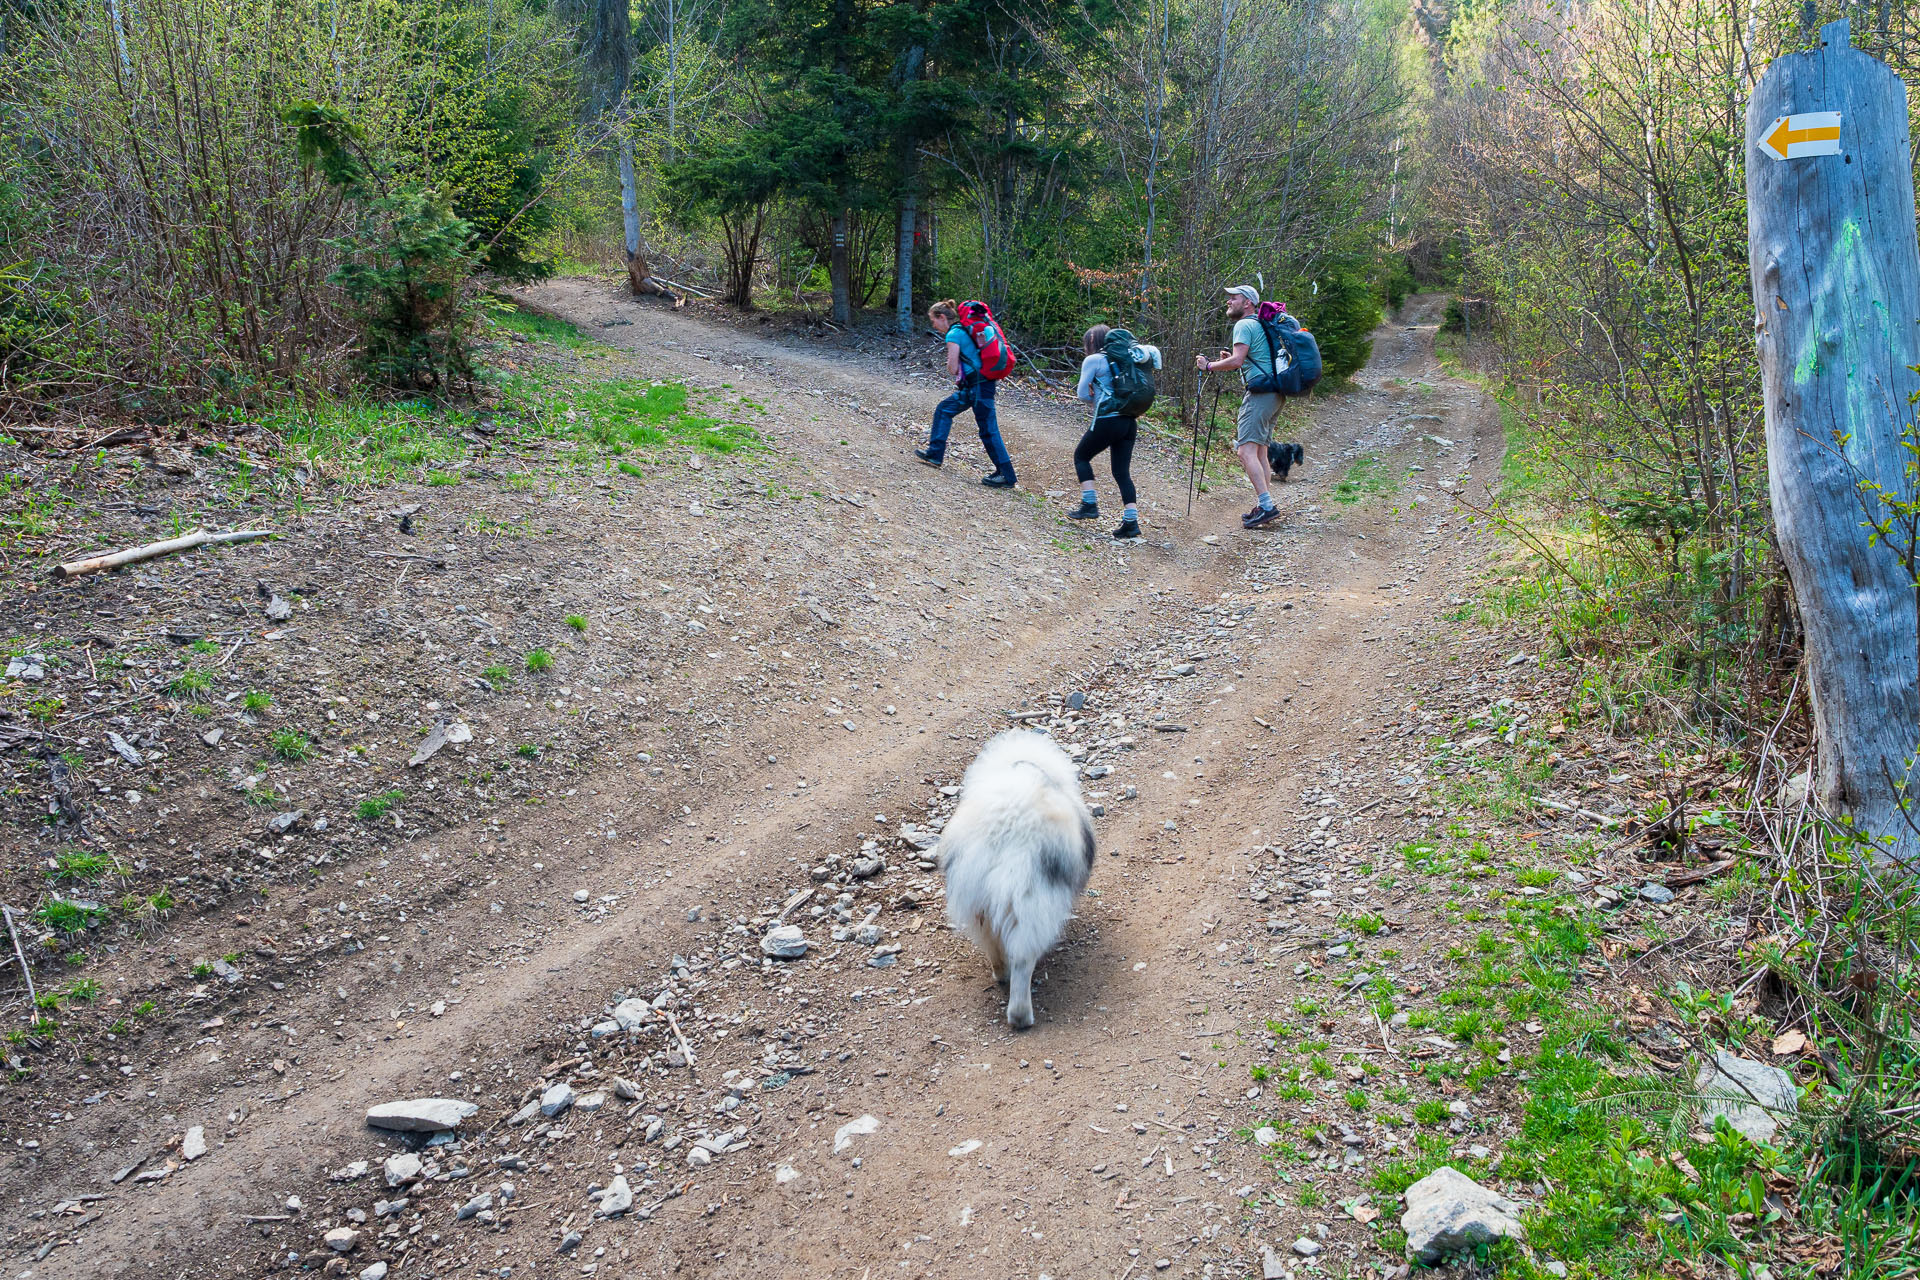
x: 1128, y: 530
x: 998, y: 481
x: 1260, y: 516
x: 1245, y: 516
x: 928, y: 456
x: 1085, y: 511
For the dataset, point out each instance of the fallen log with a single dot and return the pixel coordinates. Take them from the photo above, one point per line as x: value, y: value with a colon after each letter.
x: 154, y: 550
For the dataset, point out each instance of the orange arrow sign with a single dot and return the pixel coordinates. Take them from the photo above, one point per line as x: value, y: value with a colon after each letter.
x: 1812, y: 133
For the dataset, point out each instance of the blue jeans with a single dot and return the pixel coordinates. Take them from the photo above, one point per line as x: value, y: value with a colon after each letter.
x: 976, y: 393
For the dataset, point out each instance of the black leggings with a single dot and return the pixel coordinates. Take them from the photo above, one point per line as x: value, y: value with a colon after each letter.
x: 1116, y: 435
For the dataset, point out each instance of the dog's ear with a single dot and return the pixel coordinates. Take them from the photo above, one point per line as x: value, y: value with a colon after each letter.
x: 1089, y: 848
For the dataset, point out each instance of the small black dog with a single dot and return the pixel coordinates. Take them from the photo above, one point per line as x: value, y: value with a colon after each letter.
x: 1284, y: 457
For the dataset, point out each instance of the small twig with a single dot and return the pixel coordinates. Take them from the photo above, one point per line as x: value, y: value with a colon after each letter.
x: 686, y: 1050
x: 33, y: 1000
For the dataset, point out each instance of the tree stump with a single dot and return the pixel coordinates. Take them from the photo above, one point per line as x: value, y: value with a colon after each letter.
x: 1836, y: 289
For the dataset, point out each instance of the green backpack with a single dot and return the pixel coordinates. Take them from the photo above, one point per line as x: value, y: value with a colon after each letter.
x: 1133, y: 388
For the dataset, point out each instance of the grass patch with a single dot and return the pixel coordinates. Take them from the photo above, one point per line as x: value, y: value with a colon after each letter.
x: 539, y: 660
x: 577, y: 622
x: 81, y: 866
x: 290, y: 744
x: 190, y: 682
x: 631, y: 414
x: 499, y: 675
x: 1366, y: 478
x: 510, y: 317
x: 64, y: 915
x: 255, y: 700
x: 378, y: 806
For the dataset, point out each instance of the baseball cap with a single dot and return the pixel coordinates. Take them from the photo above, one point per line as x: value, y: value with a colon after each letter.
x: 1248, y: 292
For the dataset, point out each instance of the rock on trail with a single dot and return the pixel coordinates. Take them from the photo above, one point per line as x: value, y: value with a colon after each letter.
x: 421, y: 1115
x: 1448, y: 1213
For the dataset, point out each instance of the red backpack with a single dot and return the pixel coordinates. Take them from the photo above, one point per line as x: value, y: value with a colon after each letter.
x: 996, y: 353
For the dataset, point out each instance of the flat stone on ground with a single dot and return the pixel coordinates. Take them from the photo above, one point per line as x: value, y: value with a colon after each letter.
x: 421, y: 1115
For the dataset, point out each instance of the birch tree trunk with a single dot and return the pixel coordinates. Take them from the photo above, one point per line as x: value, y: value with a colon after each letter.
x: 903, y: 260
x: 909, y: 208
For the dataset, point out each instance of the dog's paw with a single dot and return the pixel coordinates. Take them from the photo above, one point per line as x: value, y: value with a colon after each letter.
x: 1020, y: 1019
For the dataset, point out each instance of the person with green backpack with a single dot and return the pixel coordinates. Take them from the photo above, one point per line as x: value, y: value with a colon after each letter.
x: 1116, y: 378
x: 1265, y: 363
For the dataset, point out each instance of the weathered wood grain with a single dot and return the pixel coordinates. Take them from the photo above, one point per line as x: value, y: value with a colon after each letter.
x: 1836, y: 285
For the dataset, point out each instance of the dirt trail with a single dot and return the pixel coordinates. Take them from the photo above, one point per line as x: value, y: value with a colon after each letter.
x: 1231, y: 686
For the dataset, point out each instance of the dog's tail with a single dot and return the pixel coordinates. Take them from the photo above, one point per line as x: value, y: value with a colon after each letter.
x: 1024, y: 899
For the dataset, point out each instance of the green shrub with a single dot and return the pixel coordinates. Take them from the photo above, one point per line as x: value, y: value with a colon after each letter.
x: 44, y: 349
x: 405, y: 268
x: 1342, y: 315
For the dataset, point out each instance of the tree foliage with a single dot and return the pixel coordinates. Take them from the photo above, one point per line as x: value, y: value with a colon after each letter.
x: 161, y: 184
x: 1067, y: 160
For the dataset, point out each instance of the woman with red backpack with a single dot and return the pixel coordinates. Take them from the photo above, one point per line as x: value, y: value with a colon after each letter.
x: 977, y: 358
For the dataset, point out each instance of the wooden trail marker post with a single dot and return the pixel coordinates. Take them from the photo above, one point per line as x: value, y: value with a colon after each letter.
x: 1836, y: 291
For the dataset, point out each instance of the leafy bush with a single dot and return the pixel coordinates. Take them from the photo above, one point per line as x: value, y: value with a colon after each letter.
x: 43, y: 351
x: 406, y: 266
x: 162, y: 246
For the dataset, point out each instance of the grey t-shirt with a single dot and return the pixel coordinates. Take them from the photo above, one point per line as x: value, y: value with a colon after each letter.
x: 1259, y: 353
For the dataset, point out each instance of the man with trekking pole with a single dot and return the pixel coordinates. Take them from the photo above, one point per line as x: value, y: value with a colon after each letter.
x: 1260, y: 367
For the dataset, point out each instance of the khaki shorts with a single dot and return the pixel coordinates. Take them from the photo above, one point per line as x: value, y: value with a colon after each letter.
x: 1257, y: 412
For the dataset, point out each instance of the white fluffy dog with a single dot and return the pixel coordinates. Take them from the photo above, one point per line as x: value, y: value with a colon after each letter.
x: 1017, y: 852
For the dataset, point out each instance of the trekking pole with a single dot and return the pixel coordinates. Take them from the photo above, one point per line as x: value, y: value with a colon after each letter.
x: 1193, y: 463
x: 1208, y: 451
